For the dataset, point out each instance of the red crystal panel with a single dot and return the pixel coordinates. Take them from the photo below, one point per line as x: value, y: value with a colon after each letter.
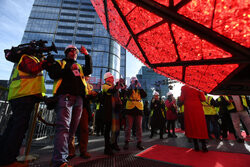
x: 158, y: 45
x: 232, y: 19
x: 133, y: 48
x: 117, y: 28
x: 99, y: 7
x: 206, y: 77
x: 140, y: 19
x: 171, y: 72
x: 199, y: 10
x: 227, y: 17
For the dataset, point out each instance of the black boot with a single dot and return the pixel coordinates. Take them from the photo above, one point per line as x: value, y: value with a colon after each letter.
x: 196, y: 145
x: 139, y: 146
x: 204, y: 146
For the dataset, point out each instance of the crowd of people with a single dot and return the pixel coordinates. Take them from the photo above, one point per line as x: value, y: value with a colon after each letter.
x: 117, y: 107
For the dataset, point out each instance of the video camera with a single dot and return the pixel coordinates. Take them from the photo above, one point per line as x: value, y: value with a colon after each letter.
x: 33, y: 48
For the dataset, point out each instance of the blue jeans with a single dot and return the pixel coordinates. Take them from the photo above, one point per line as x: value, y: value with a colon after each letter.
x: 17, y: 126
x: 68, y: 113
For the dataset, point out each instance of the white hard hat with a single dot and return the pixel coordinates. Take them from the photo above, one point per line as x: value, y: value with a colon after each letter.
x: 169, y: 93
x: 133, y: 79
x: 70, y: 47
x: 107, y: 75
x: 163, y: 97
x: 155, y: 93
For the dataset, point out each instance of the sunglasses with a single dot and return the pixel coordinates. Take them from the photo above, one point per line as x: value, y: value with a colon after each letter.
x: 72, y: 49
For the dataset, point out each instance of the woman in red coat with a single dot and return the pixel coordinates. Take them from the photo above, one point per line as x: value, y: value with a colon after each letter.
x: 194, y: 118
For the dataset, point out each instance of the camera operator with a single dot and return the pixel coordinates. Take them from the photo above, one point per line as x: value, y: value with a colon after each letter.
x: 134, y: 111
x: 26, y: 89
x: 70, y: 87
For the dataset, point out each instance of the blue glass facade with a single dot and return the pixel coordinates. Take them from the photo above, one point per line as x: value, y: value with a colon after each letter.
x: 151, y: 81
x: 75, y: 22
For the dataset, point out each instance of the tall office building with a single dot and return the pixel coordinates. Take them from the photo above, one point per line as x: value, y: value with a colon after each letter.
x: 75, y: 22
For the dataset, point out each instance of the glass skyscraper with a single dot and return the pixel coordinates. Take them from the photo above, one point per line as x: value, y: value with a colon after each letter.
x: 151, y: 81
x: 75, y: 22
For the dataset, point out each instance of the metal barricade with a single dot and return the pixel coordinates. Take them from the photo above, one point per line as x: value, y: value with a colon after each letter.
x: 43, y: 133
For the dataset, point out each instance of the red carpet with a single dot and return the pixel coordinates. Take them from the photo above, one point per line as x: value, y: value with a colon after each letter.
x: 189, y: 157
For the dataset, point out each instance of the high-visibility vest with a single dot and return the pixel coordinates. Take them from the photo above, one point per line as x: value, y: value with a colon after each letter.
x: 97, y: 106
x: 105, y: 88
x: 134, y: 101
x: 181, y: 109
x: 231, y: 105
x: 58, y: 82
x: 25, y: 84
x: 207, y: 107
x: 162, y: 112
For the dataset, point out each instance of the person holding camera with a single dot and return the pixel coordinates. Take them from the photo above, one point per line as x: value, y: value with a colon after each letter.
x: 112, y: 105
x: 70, y: 88
x: 134, y: 111
x: 26, y: 89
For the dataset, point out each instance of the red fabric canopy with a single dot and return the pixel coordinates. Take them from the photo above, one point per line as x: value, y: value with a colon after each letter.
x: 171, y: 47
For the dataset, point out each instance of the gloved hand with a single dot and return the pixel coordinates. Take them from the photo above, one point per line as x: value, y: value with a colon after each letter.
x: 74, y: 67
x: 83, y: 50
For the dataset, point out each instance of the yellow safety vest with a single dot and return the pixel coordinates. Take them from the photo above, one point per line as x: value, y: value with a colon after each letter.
x: 231, y: 105
x: 134, y: 101
x: 58, y: 82
x: 105, y: 88
x: 25, y: 84
x: 207, y: 107
x: 97, y: 106
x: 181, y: 109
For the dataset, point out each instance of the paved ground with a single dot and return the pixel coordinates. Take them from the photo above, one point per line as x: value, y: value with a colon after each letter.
x: 96, y: 147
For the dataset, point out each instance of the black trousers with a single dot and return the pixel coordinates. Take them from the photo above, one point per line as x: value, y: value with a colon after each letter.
x: 107, y: 133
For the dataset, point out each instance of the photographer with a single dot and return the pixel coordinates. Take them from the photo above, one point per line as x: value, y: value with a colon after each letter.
x: 26, y: 89
x: 70, y: 88
x: 134, y: 111
x: 112, y: 105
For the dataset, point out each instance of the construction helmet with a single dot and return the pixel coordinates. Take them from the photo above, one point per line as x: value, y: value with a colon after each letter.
x: 107, y: 75
x: 155, y: 93
x: 67, y: 49
x: 133, y: 79
x: 169, y: 93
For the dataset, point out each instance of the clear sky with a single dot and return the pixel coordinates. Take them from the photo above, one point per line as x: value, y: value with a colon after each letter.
x: 13, y: 19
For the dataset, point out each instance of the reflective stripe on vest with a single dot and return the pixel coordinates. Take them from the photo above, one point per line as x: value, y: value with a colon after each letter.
x: 134, y: 101
x: 58, y: 82
x: 105, y: 88
x: 207, y: 107
x: 25, y: 84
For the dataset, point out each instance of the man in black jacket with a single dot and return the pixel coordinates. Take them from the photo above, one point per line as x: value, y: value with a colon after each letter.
x: 70, y: 87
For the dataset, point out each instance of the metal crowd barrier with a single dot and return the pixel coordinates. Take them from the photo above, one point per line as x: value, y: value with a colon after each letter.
x: 43, y: 131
